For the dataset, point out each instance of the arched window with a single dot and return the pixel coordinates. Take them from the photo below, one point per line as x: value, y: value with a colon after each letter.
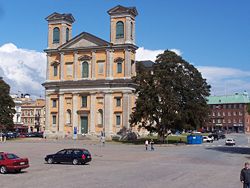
x: 119, y: 30
x: 67, y: 34
x: 131, y: 30
x: 56, y: 35
x: 100, y: 117
x: 85, y: 70
x: 68, y: 116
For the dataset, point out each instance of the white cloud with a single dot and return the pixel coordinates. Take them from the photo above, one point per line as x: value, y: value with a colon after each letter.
x: 225, y: 80
x: 146, y: 54
x: 23, y: 69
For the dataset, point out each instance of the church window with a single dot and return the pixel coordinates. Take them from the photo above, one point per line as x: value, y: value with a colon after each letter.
x: 85, y: 70
x: 55, y: 70
x: 119, y: 30
x: 119, y: 67
x: 56, y: 35
x: 84, y: 101
x: 67, y: 34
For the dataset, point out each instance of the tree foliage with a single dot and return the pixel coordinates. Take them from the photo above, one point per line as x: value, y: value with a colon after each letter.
x: 170, y: 96
x: 7, y: 106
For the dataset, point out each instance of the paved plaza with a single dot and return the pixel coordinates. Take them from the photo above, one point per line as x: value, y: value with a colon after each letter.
x: 124, y: 165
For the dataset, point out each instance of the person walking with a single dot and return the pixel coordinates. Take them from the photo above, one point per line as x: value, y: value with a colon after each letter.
x: 152, y: 145
x: 146, y: 144
x: 245, y: 176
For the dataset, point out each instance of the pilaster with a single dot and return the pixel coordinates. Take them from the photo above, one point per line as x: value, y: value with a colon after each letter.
x: 127, y: 63
x: 62, y: 66
x: 126, y: 109
x: 92, y: 112
x: 47, y: 114
x: 75, y: 65
x: 108, y: 114
x: 93, y: 64
x: 48, y: 67
x: 74, y: 112
x: 61, y: 115
x: 128, y: 30
x: 109, y: 70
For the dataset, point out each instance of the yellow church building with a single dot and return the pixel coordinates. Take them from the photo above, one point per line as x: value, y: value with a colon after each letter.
x: 88, y: 80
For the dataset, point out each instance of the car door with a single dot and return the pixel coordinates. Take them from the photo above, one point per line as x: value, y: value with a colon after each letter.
x: 59, y: 156
x: 69, y: 155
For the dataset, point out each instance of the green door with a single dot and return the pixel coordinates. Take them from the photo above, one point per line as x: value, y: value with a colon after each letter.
x: 84, y: 124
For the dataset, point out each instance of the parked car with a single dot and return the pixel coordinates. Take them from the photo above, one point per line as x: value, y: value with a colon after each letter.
x: 35, y: 134
x: 74, y: 156
x: 230, y: 142
x: 10, y: 162
x: 207, y: 139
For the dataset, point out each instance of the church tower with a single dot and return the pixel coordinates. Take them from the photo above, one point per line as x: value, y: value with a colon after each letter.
x: 122, y: 25
x: 59, y: 29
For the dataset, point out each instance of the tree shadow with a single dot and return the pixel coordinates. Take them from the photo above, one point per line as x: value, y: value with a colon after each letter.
x: 231, y: 149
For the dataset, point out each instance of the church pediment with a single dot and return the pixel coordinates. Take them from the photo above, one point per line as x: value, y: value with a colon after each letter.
x: 121, y: 9
x: 84, y: 40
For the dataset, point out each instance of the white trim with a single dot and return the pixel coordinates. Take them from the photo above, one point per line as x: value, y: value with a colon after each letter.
x: 122, y: 89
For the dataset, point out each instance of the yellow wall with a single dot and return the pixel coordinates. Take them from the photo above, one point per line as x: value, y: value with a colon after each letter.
x: 52, y: 58
x: 101, y: 56
x: 117, y: 54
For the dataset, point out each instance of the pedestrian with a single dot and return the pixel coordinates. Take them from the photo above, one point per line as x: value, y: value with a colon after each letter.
x: 152, y: 145
x: 146, y: 144
x: 245, y: 176
x: 102, y: 141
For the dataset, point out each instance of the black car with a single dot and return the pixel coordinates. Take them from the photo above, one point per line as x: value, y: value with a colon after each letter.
x: 74, y: 156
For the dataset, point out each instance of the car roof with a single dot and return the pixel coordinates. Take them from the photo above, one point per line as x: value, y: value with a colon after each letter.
x: 75, y: 149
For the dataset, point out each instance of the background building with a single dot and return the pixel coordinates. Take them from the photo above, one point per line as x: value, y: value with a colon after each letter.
x: 33, y: 115
x: 88, y: 83
x: 229, y: 113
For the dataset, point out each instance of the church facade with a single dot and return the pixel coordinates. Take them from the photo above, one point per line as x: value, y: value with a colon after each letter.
x: 88, y: 81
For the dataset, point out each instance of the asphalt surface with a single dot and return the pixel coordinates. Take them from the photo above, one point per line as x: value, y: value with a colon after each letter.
x: 116, y: 165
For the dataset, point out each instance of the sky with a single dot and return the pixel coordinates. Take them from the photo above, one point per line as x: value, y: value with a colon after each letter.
x: 212, y: 35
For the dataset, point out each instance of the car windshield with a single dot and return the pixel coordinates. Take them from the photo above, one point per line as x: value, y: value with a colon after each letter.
x: 12, y: 156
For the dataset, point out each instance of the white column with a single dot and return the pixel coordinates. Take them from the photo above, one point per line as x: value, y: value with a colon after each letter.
x: 48, y: 67
x: 128, y: 30
x: 127, y: 61
x: 47, y: 114
x: 74, y: 112
x: 61, y: 115
x: 109, y: 59
x: 63, y: 33
x: 133, y: 33
x: 126, y: 109
x: 75, y: 65
x: 62, y: 66
x: 93, y: 64
x: 92, y: 112
x: 108, y: 114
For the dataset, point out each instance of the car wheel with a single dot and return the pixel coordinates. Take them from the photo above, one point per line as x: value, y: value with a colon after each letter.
x: 3, y: 170
x: 50, y: 160
x: 75, y: 161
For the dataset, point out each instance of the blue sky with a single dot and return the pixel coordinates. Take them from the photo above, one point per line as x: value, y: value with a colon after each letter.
x: 214, y: 35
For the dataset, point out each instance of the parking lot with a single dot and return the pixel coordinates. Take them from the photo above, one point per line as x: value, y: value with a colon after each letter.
x: 124, y: 165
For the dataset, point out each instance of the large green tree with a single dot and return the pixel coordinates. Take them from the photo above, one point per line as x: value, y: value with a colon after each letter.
x: 172, y: 95
x: 6, y: 107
